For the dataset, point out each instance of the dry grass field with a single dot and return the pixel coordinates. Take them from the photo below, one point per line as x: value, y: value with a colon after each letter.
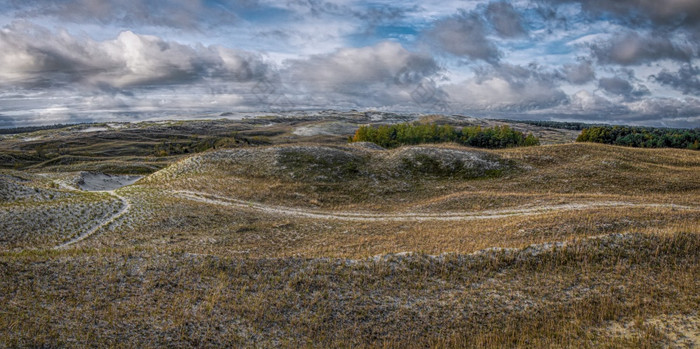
x: 295, y: 238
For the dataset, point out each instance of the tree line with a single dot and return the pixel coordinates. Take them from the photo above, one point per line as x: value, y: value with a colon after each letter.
x: 643, y: 137
x: 566, y: 125
x: 27, y: 129
x: 390, y: 136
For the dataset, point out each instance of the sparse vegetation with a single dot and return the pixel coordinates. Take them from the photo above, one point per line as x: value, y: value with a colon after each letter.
x: 303, y: 240
x: 193, y: 145
x: 391, y: 136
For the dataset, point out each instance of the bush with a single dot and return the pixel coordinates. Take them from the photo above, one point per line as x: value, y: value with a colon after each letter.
x: 390, y: 136
x: 192, y: 145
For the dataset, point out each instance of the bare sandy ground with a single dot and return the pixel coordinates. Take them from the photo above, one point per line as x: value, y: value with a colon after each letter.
x: 93, y: 181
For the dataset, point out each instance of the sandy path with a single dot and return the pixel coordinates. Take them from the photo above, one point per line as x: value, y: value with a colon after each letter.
x: 417, y: 216
x: 126, y: 206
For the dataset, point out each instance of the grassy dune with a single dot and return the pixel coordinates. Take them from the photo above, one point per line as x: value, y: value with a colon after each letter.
x: 565, y: 245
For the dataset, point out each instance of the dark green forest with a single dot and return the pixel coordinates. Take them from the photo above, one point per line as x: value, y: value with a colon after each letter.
x: 390, y: 136
x: 27, y: 129
x: 565, y: 125
x: 643, y: 137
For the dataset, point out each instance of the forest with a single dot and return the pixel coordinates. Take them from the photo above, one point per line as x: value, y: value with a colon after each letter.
x: 390, y: 136
x: 643, y: 137
x: 565, y: 125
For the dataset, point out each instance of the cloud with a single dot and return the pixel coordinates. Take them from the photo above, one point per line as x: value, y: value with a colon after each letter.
x: 181, y: 14
x: 579, y: 73
x: 505, y: 19
x: 585, y: 106
x: 685, y: 79
x: 36, y: 57
x: 508, y: 88
x: 618, y: 86
x: 463, y: 35
x: 672, y: 12
x: 585, y: 101
x: 352, y: 68
x: 230, y: 54
x: 631, y: 48
x: 672, y: 112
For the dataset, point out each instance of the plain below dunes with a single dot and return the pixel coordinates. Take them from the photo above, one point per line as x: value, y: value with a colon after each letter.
x: 437, y: 177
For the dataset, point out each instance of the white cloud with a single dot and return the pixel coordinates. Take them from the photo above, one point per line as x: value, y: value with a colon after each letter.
x: 35, y: 56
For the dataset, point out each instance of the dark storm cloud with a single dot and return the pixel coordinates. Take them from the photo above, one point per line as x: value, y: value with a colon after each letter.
x: 622, y: 87
x: 463, y: 35
x: 34, y: 56
x: 660, y: 12
x: 505, y: 19
x: 631, y: 48
x: 686, y: 79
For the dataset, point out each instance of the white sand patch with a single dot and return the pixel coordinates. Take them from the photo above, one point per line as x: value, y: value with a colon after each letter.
x: 331, y: 128
x: 91, y: 181
x: 94, y: 129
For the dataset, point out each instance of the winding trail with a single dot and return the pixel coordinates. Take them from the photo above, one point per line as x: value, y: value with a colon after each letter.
x: 126, y: 206
x: 416, y: 216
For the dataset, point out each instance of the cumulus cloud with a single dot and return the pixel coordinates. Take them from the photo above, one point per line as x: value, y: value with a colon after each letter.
x: 579, y: 73
x: 352, y: 54
x: 35, y: 56
x: 384, y: 74
x: 618, y: 86
x: 631, y: 48
x: 585, y: 101
x: 505, y: 19
x: 463, y: 35
x: 669, y: 107
x: 508, y: 88
x: 653, y: 111
x: 352, y: 68
x: 686, y: 79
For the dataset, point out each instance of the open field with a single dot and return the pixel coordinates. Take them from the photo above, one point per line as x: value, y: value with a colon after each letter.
x: 285, y: 235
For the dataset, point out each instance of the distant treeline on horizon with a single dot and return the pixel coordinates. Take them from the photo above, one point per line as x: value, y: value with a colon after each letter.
x: 27, y: 129
x: 642, y: 137
x: 578, y: 126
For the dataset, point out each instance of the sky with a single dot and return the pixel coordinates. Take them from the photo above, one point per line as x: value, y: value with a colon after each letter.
x: 633, y: 62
